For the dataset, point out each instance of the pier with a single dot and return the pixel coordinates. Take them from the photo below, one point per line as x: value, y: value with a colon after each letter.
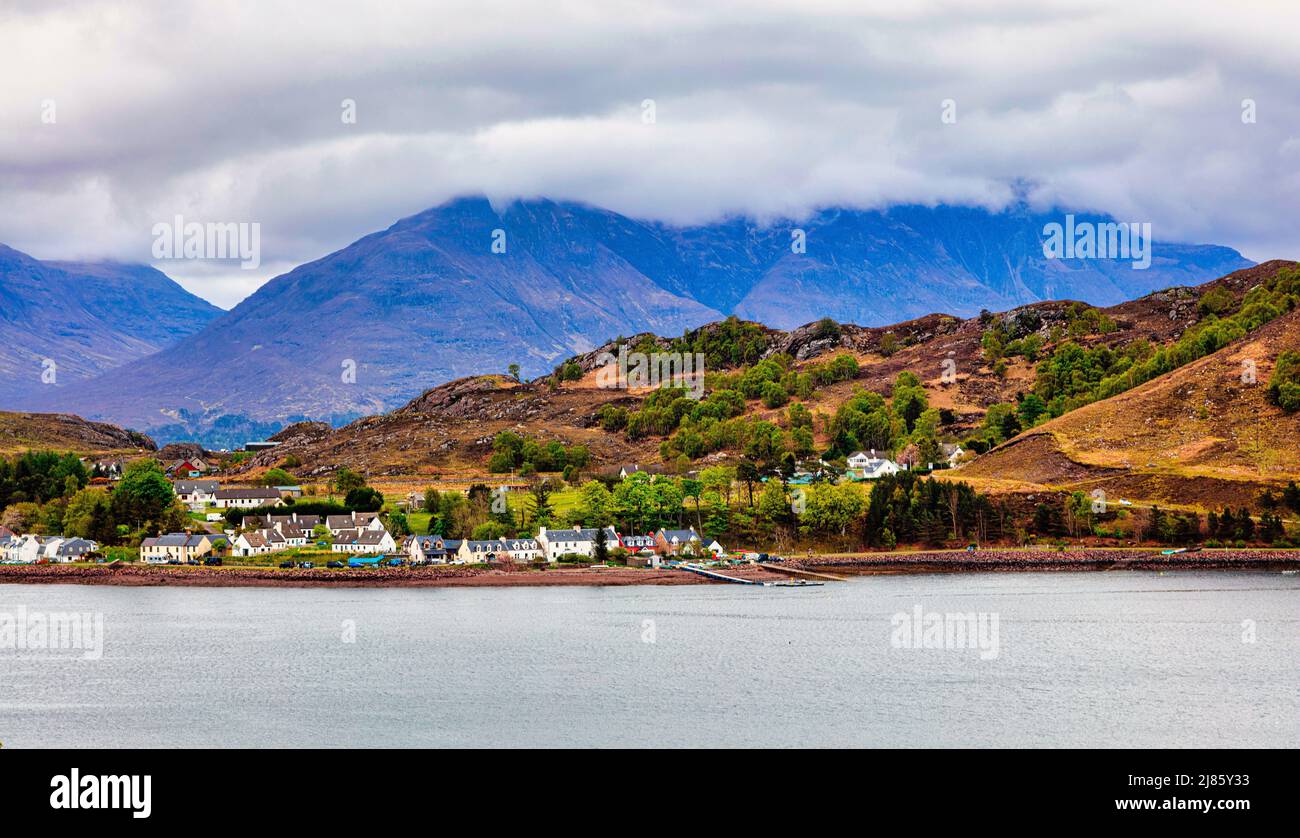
x: 722, y: 577
x: 799, y: 573
x: 713, y: 574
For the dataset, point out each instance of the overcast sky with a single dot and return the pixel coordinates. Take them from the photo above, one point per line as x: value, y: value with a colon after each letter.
x: 232, y: 112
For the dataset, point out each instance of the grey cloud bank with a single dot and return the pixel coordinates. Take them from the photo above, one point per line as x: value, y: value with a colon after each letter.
x: 235, y: 115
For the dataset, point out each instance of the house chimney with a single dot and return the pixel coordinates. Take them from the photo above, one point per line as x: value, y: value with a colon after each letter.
x: 873, y: 453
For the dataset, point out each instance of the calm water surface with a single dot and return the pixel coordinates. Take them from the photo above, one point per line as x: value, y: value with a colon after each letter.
x: 1083, y: 659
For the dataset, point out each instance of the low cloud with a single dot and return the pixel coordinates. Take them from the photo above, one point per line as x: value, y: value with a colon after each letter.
x: 235, y: 114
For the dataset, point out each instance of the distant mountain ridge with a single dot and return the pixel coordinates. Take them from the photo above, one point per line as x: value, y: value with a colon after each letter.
x: 85, y: 318
x: 428, y: 300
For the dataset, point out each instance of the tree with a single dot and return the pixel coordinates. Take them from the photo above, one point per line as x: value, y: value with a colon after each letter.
x: 602, y: 545
x: 826, y: 329
x: 345, y: 480
x: 541, y: 496
x: 143, y: 498
x: 595, y: 504
x: 910, y: 400
x: 635, y: 500
x: 79, y: 517
x: 1284, y: 384
x: 24, y: 516
x: 668, y: 500
x: 773, y: 394
x: 364, y: 499
x: 277, y: 477
x: 694, y: 489
x: 832, y: 508
x: 1031, y: 407
x: 719, y: 479
x: 773, y: 504
x: 489, y: 531
x: 747, y: 473
x: 514, y: 371
x: 398, y: 525
x: 1001, y: 422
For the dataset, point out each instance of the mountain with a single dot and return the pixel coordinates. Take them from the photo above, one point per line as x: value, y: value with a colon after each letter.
x: 61, y: 432
x: 85, y: 318
x: 428, y: 300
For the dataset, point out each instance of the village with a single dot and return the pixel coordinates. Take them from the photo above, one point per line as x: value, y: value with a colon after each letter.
x: 361, y: 539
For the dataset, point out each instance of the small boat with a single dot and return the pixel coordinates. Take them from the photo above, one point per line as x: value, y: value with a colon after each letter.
x: 1291, y: 573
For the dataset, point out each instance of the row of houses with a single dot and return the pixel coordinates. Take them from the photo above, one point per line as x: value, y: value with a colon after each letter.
x: 551, y: 545
x: 31, y: 548
x: 183, y: 546
x: 355, y: 532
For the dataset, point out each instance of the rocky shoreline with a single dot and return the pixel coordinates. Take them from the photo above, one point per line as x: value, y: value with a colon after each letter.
x: 403, y: 577
x: 933, y: 561
x: 943, y: 561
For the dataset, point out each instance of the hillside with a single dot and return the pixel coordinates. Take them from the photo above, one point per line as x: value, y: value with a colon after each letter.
x: 1198, y: 436
x: 86, y: 318
x: 428, y: 300
x: 448, y: 431
x: 61, y: 432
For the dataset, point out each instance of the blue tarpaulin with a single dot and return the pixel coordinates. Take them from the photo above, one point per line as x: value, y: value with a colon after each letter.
x: 364, y: 561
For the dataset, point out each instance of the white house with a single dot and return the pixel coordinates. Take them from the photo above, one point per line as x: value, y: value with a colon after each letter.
x: 952, y: 452
x: 637, y: 543
x: 196, y: 494
x: 432, y: 549
x: 364, y: 541
x: 67, y: 549
x: 871, y: 467
x: 581, y: 542
x: 293, y: 536
x: 181, y: 546
x: 251, y: 544
x: 354, y: 521
x: 306, y: 523
x: 246, y: 498
x: 26, y: 549
x: 673, y: 542
x: 514, y: 549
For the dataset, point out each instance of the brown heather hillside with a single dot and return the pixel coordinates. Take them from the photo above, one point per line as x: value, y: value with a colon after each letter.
x: 1197, y: 437
x: 62, y: 432
x: 447, y: 431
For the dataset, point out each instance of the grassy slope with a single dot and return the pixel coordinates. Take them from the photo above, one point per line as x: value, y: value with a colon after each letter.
x: 1197, y: 437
